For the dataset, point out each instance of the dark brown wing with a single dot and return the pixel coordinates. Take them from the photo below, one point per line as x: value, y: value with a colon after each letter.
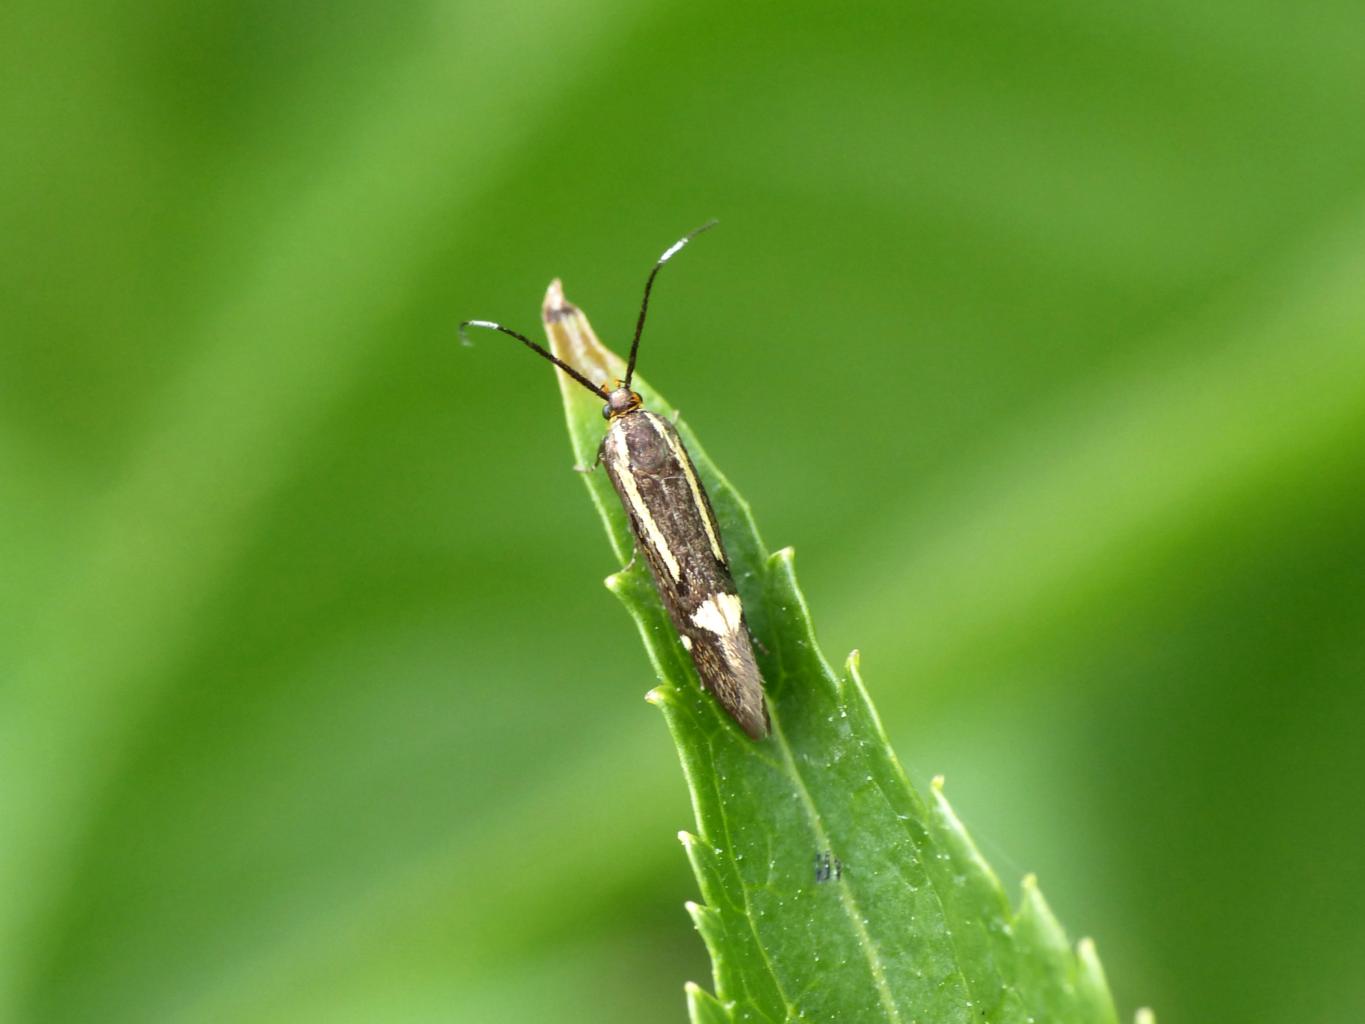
x: 676, y: 531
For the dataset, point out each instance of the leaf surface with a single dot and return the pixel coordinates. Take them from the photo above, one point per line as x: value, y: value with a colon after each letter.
x: 832, y: 890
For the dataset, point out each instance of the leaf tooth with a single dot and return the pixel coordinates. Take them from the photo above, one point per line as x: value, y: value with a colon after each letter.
x: 782, y: 570
x: 629, y: 589
x: 710, y: 925
x: 1050, y: 971
x: 706, y: 919
x: 1045, y: 966
x: 786, y: 596
x: 1092, y: 987
x: 705, y: 865
x: 704, y: 1008
x: 1037, y: 926
x: 1144, y: 1015
x: 956, y: 834
x: 662, y: 695
x: 853, y: 669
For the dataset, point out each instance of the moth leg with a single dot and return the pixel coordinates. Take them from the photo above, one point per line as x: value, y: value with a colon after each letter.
x: 578, y: 467
x: 634, y: 554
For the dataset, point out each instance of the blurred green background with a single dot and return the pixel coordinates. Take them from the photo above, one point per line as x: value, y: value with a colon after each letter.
x: 1039, y: 332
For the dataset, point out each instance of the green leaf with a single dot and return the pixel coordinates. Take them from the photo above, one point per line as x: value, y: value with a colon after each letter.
x: 916, y: 926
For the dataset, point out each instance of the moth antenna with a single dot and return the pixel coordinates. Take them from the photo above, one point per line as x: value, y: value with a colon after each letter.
x: 669, y: 253
x: 490, y: 325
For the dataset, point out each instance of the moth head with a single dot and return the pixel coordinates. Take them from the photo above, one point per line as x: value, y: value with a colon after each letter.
x: 620, y: 401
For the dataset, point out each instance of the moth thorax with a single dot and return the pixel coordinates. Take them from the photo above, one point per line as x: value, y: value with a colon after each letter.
x: 622, y: 400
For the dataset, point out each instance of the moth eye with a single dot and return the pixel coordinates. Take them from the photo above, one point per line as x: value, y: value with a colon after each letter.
x: 606, y: 411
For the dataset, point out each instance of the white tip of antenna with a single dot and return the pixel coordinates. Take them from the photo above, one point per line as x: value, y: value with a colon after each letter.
x: 672, y: 250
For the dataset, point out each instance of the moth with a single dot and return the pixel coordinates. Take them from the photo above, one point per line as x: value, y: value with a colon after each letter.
x: 673, y: 524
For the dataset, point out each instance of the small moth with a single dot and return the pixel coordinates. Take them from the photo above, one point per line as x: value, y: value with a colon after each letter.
x: 673, y: 523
